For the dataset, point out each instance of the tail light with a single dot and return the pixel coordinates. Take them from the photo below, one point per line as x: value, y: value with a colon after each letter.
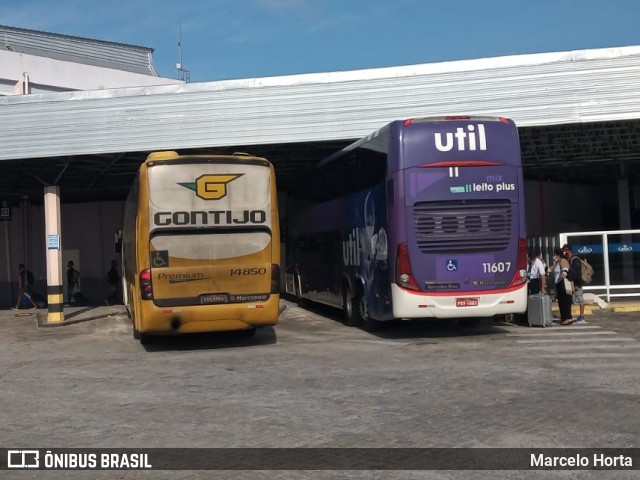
x: 275, y: 278
x: 521, y: 264
x: 404, y: 275
x: 146, y: 287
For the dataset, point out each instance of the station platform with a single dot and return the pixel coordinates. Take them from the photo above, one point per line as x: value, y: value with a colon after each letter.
x: 616, y: 306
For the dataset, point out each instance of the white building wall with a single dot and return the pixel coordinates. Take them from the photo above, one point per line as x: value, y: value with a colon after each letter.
x: 50, y: 75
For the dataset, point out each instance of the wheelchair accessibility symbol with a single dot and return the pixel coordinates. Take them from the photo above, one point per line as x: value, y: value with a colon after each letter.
x: 452, y: 265
x: 160, y: 258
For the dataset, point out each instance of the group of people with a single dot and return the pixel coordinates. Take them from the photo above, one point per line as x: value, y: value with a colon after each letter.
x: 567, y: 281
x: 73, y: 278
x: 568, y: 284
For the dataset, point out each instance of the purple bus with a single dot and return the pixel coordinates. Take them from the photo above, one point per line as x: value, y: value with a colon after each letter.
x: 423, y: 218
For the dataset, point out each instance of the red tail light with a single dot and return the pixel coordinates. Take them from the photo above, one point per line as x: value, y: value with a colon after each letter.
x: 275, y: 278
x: 146, y: 287
x: 520, y: 275
x: 404, y: 275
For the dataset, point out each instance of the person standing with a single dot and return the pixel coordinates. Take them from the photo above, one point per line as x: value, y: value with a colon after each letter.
x: 537, y: 275
x: 112, y: 281
x: 560, y: 271
x: 575, y: 276
x: 22, y: 288
x: 73, y: 276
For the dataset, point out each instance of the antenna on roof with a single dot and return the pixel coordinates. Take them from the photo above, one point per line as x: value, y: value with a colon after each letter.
x: 183, y: 72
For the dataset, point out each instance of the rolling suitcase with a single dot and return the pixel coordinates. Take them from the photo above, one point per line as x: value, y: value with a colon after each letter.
x: 539, y: 311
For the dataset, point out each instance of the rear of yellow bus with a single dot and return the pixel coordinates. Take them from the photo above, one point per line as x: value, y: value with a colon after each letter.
x: 208, y: 245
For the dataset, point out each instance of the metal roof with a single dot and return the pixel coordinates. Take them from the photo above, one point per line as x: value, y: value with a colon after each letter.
x: 119, y: 56
x: 570, y: 107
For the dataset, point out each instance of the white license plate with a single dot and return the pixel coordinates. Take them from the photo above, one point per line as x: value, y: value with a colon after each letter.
x: 213, y: 298
x: 467, y: 302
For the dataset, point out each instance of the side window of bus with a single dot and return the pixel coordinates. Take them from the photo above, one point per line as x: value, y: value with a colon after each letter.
x: 331, y: 247
x: 358, y: 170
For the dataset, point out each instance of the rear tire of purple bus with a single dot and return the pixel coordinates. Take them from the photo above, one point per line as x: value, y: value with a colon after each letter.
x: 365, y: 321
x: 348, y: 308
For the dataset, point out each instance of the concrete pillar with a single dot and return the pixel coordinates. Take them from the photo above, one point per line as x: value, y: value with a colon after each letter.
x: 52, y: 222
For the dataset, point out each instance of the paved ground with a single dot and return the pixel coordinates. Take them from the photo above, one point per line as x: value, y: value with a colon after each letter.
x: 313, y: 382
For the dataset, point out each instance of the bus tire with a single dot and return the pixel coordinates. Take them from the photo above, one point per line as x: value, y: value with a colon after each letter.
x: 300, y: 300
x: 361, y: 312
x: 248, y: 332
x: 145, y: 338
x: 348, y: 308
x: 132, y: 315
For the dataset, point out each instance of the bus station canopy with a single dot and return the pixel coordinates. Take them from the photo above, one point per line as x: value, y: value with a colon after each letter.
x: 578, y: 114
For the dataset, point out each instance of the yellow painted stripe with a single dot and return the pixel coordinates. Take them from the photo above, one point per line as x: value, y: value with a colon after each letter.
x: 629, y: 308
x: 54, y: 298
x: 55, y: 317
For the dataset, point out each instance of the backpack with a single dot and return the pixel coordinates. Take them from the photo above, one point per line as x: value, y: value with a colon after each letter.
x: 586, y: 271
x: 30, y: 278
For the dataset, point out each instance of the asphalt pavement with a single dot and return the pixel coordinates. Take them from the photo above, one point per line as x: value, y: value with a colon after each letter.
x: 313, y: 382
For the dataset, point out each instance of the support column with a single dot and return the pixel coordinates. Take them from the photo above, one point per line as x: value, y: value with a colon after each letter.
x: 52, y: 223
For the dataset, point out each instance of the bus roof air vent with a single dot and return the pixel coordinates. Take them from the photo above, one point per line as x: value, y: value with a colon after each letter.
x: 167, y: 155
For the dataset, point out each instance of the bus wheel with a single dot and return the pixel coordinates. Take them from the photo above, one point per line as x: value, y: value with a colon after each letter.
x: 349, y: 316
x: 302, y: 302
x: 145, y: 339
x: 136, y: 333
x: 365, y: 322
x: 248, y: 332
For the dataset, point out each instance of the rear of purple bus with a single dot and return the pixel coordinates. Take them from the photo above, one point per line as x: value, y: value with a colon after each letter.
x: 457, y: 218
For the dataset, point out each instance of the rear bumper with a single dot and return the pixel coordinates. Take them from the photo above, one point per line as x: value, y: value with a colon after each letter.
x: 208, y: 318
x: 408, y: 304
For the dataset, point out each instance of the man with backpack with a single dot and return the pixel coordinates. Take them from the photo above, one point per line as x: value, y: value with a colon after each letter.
x: 575, y: 275
x: 73, y: 276
x: 24, y: 281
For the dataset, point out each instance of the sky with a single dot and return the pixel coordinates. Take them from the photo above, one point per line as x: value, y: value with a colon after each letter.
x: 233, y: 39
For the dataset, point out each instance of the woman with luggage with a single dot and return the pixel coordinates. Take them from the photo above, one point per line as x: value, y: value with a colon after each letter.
x: 560, y: 270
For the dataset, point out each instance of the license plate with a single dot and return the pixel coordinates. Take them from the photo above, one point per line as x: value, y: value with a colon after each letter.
x: 213, y: 298
x: 467, y: 302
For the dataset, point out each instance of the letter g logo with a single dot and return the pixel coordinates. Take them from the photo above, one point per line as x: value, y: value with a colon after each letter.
x: 211, y: 187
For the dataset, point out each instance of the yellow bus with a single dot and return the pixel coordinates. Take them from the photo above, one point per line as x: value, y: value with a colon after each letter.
x: 201, y: 245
